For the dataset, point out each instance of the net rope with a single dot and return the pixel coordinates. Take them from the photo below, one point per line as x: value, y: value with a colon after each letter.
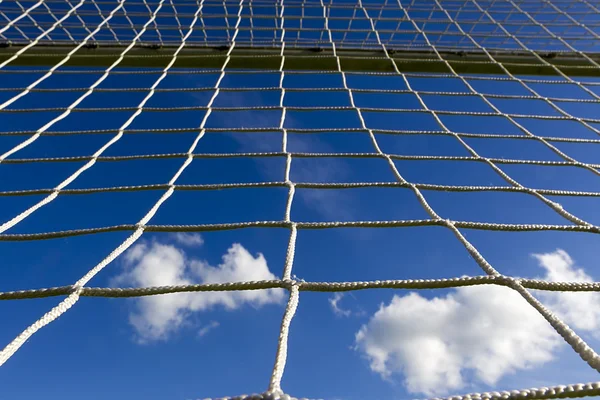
x: 63, y: 30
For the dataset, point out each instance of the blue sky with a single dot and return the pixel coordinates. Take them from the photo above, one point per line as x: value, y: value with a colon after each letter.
x: 210, y: 350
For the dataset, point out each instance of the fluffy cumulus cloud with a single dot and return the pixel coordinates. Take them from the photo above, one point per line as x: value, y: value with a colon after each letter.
x: 488, y: 329
x: 156, y: 264
x: 580, y: 310
x: 476, y: 333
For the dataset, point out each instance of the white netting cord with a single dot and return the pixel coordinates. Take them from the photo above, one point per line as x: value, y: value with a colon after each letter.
x: 20, y: 17
x: 42, y: 35
x: 154, y: 23
x: 355, y: 108
x: 327, y: 89
x: 394, y: 35
x: 304, y: 185
x: 442, y: 283
x: 82, y: 22
x: 450, y: 224
x: 586, y: 352
x: 16, y: 27
x: 58, y: 22
x: 555, y: 37
x: 33, y: 20
x: 535, y: 54
x: 547, y: 100
x: 14, y: 221
x: 486, y: 160
x: 48, y: 74
x: 536, y: 95
x: 282, y: 346
x: 490, y: 226
x: 12, y: 347
x: 176, y: 16
x: 316, y: 108
x: 294, y: 296
x: 131, y: 24
x: 497, y: 112
x: 289, y: 282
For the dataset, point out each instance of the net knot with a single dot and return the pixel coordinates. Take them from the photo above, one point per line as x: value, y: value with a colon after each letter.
x: 76, y: 289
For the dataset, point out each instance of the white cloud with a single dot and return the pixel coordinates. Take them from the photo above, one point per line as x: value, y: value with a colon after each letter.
x: 337, y: 310
x: 188, y: 239
x: 238, y: 265
x: 204, y: 330
x: 488, y: 329
x: 579, y: 310
x: 156, y: 264
x: 484, y: 332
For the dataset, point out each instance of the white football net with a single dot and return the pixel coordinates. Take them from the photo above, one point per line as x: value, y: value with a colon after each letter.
x: 516, y: 42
